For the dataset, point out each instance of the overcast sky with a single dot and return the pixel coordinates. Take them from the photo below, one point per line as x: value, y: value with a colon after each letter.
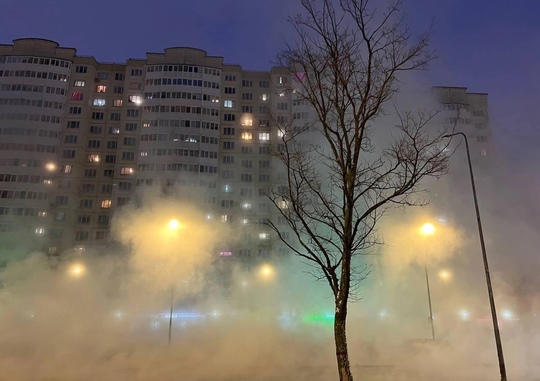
x: 490, y: 46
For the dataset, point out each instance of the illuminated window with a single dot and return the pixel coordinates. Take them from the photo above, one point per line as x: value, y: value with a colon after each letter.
x: 227, y: 188
x: 483, y: 152
x: 101, y: 88
x: 77, y: 96
x: 137, y: 99
x: 280, y: 133
x: 228, y: 104
x: 99, y: 102
x: 92, y: 159
x: 106, y: 204
x: 225, y: 253
x: 246, y: 206
x: 264, y: 236
x: 66, y: 168
x: 79, y: 83
x: 225, y: 218
x: 247, y: 136
x: 117, y: 103
x: 40, y: 231
x: 127, y: 170
x: 247, y: 122
x: 245, y: 221
x: 264, y: 97
x: 283, y: 204
x: 264, y: 135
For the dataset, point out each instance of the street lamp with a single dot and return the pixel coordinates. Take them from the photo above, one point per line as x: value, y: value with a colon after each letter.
x: 426, y: 230
x: 173, y: 225
x: 498, y: 342
x: 76, y: 270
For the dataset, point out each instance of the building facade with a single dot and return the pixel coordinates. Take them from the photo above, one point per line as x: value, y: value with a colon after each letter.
x: 80, y: 139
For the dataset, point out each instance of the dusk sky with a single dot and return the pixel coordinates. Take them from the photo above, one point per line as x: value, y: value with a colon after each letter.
x: 490, y: 46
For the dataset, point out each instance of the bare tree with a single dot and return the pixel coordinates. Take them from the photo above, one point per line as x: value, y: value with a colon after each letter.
x: 345, y: 66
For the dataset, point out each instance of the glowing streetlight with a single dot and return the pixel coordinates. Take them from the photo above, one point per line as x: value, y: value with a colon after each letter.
x: 266, y: 272
x: 76, y: 270
x: 173, y: 224
x: 445, y: 275
x: 427, y: 229
x: 50, y: 166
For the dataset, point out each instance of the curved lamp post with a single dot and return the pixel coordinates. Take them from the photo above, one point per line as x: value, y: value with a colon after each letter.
x: 502, y: 366
x: 428, y: 229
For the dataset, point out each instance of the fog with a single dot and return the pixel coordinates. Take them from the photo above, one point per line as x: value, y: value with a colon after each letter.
x: 105, y: 316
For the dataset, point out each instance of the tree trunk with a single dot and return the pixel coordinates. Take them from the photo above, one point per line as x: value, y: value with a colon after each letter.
x: 342, y: 351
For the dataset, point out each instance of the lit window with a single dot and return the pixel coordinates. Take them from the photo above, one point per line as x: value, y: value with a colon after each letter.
x: 225, y: 218
x: 127, y: 170
x: 47, y: 181
x: 101, y: 88
x: 245, y: 221
x: 280, y: 133
x: 283, y: 204
x: 264, y: 135
x: 137, y: 99
x: 79, y: 83
x: 40, y: 231
x: 247, y: 136
x: 77, y: 96
x: 246, y: 206
x: 264, y: 97
x: 483, y: 152
x: 227, y: 188
x: 92, y: 159
x: 228, y: 104
x: 225, y: 253
x: 264, y: 236
x: 117, y: 103
x: 106, y: 204
x: 247, y: 122
x: 99, y: 102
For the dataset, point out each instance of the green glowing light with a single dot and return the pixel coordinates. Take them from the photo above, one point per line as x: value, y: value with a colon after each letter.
x: 326, y: 319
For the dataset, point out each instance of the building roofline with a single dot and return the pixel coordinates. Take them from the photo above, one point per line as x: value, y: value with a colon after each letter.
x: 36, y: 38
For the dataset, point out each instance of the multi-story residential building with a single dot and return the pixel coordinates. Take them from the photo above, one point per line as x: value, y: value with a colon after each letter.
x: 179, y: 124
x: 79, y: 139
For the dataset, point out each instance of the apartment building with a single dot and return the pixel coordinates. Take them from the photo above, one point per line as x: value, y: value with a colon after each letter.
x: 80, y: 139
x: 178, y: 124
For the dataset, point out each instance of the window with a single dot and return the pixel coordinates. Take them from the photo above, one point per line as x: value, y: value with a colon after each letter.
x: 114, y: 130
x: 100, y: 102
x: 60, y: 216
x: 124, y: 186
x: 264, y: 123
x: 228, y: 104
x: 228, y: 131
x: 81, y: 236
x: 246, y: 177
x: 247, y: 136
x: 88, y: 188
x: 135, y: 85
x: 92, y: 158
x: 230, y: 77
x: 247, y: 122
x: 75, y: 110
x: 131, y: 126
x: 264, y: 97
x: 228, y: 159
x: 246, y: 206
x: 81, y: 69
x: 61, y: 200
x: 86, y: 203
x: 247, y: 150
x: 136, y: 72
x: 247, y: 109
x: 119, y: 76
x: 101, y: 235
x: 227, y: 188
x: 137, y: 99
x: 98, y: 116
x: 282, y: 106
x: 108, y: 173
x: 121, y: 201
x: 106, y: 204
x: 110, y: 158
x: 229, y: 117
x: 103, y: 220
x: 230, y: 90
x: 263, y: 109
x: 247, y: 83
x: 106, y: 188
x: 95, y: 129
x: 264, y: 84
x: 70, y: 139
x: 84, y: 219
x: 227, y: 203
x: 103, y: 75
x: 128, y: 156
x: 94, y: 143
x: 112, y: 144
x: 101, y: 88
x: 115, y: 116
x: 73, y: 124
x: 482, y: 139
x: 228, y: 145
x: 483, y: 152
x: 264, y: 164
x: 128, y: 141
x: 77, y: 96
x: 117, y: 103
x: 90, y: 173
x: 132, y: 113
x: 247, y: 96
x: 264, y: 136
x: 68, y: 154
x: 247, y: 164
x: 227, y: 174
x: 118, y: 90
x: 79, y: 83
x: 127, y: 170
x: 67, y: 168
